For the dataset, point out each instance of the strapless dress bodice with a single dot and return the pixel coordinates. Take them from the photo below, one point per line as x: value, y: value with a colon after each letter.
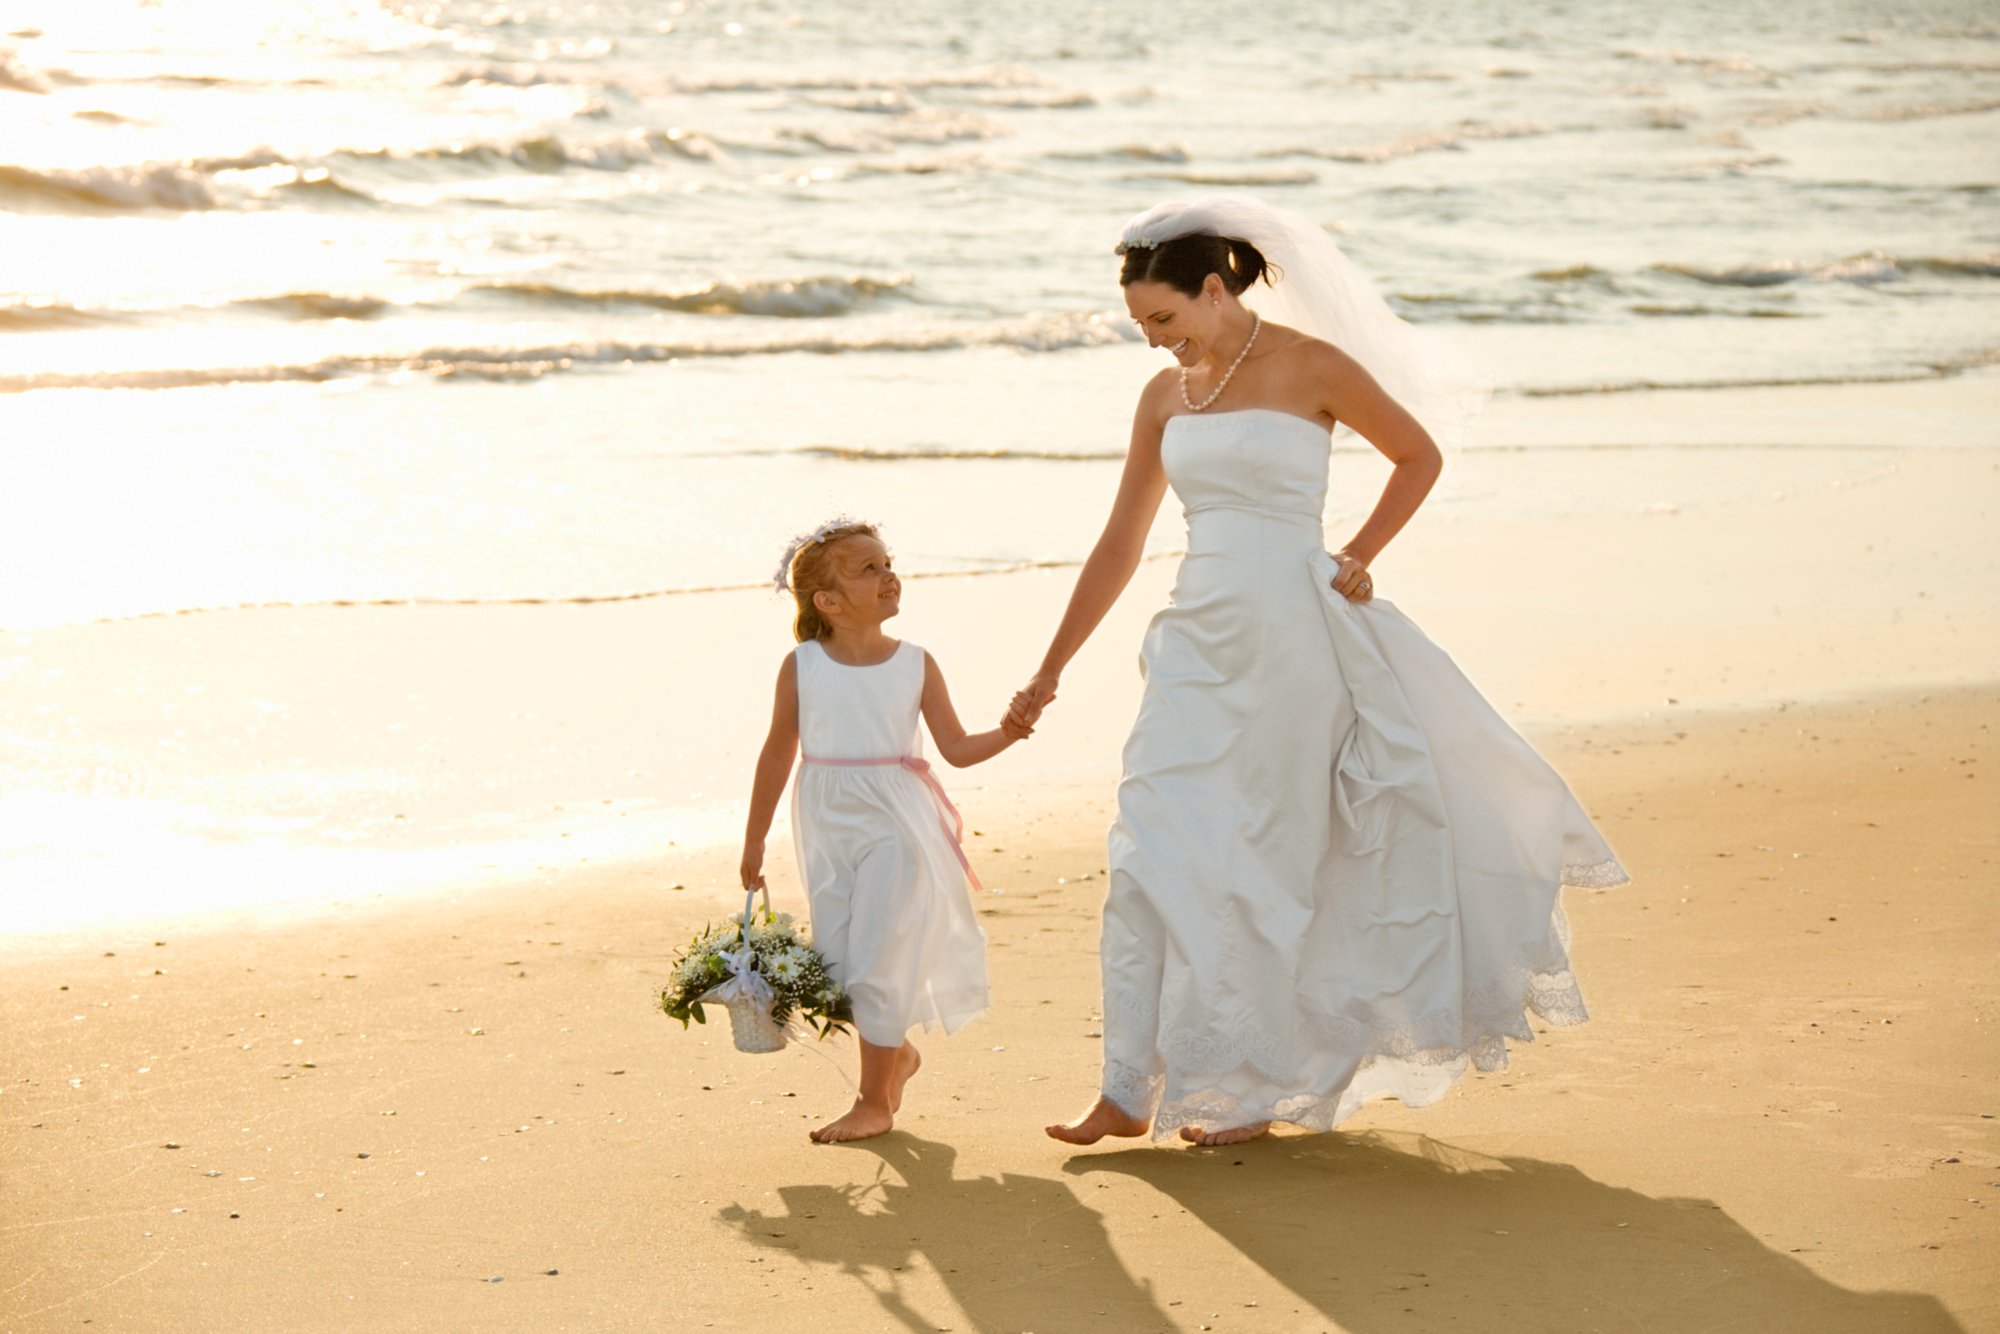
x: 1250, y: 460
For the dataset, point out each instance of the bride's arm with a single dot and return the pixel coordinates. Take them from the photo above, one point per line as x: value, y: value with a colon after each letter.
x: 1111, y: 562
x: 1349, y: 394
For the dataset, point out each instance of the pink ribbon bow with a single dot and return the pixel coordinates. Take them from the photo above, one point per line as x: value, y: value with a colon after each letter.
x: 949, y: 819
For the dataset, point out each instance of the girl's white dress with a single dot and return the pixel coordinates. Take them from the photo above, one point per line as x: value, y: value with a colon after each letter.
x: 888, y: 895
x: 1335, y: 869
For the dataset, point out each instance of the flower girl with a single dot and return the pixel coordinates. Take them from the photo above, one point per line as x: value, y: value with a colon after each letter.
x: 878, y: 840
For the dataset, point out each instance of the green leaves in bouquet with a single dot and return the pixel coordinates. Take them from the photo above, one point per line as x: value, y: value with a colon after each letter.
x: 677, y: 998
x: 838, y: 1019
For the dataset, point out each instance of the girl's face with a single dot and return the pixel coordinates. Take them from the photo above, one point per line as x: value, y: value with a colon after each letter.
x: 865, y: 588
x: 1183, y: 325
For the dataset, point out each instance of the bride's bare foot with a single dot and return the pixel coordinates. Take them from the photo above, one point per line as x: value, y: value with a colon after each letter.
x: 909, y: 1061
x: 1234, y: 1135
x: 1104, y: 1118
x: 864, y: 1120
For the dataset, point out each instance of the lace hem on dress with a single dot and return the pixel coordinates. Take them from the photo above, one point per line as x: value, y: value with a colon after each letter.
x: 1607, y: 874
x: 1133, y: 1090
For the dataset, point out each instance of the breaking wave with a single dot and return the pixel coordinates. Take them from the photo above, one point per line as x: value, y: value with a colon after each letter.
x: 106, y: 189
x: 1167, y: 153
x: 1942, y: 370
x: 944, y: 453
x: 802, y: 298
x: 1248, y: 179
x: 995, y: 78
x: 794, y: 298
x: 194, y: 186
x: 33, y: 318
x: 1429, y: 141
x: 1873, y: 267
x: 15, y: 79
x: 1047, y: 333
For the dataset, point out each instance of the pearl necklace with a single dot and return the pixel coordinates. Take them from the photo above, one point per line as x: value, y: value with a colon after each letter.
x: 1256, y: 323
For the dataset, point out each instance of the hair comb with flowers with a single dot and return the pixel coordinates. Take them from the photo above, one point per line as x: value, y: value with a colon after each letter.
x: 783, y: 582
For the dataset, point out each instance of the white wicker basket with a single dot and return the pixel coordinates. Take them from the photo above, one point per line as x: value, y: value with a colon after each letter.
x: 750, y: 1022
x: 753, y: 1028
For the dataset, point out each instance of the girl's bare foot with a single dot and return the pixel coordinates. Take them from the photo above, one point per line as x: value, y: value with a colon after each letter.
x: 884, y: 1071
x: 909, y: 1061
x: 864, y: 1120
x: 1104, y: 1118
x: 1234, y: 1135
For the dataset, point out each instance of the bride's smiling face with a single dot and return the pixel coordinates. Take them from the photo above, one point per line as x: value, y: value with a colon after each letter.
x: 1183, y: 325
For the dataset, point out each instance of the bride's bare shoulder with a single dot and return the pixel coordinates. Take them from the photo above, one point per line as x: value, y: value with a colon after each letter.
x: 1161, y: 387
x: 1157, y: 400
x: 1285, y: 341
x: 1312, y: 356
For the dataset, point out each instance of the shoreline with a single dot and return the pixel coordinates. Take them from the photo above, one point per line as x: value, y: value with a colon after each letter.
x: 1536, y: 461
x: 337, y: 754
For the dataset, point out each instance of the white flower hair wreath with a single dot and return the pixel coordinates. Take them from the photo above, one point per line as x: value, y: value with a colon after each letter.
x: 783, y: 581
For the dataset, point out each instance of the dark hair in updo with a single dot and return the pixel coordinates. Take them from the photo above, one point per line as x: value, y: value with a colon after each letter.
x: 1185, y: 262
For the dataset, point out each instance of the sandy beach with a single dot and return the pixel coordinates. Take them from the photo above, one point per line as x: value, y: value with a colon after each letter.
x: 458, y: 1108
x: 464, y: 1114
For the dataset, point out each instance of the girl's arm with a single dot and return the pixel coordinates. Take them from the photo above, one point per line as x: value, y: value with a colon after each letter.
x: 1349, y: 394
x: 1117, y: 553
x: 774, y: 766
x: 954, y: 744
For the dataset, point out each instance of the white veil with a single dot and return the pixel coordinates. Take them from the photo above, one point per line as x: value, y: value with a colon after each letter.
x: 1316, y: 289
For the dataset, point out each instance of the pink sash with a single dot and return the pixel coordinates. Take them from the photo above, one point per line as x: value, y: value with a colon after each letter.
x: 949, y: 819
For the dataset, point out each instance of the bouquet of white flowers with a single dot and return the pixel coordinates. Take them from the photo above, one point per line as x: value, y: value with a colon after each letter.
x: 765, y: 971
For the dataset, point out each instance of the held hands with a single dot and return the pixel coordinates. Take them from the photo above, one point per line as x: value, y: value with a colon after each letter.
x: 1353, y: 582
x: 752, y: 869
x: 1018, y: 723
x: 1029, y: 702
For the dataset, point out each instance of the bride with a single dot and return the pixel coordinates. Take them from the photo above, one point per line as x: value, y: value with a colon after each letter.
x: 1335, y: 869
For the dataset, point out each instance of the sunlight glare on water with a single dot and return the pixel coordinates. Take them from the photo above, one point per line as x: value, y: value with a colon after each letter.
x: 318, y: 304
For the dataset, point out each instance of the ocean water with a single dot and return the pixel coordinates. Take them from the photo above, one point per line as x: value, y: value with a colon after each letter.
x: 345, y: 301
x: 335, y: 302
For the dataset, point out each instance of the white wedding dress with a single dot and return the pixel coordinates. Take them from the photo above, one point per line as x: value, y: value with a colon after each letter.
x: 1335, y: 869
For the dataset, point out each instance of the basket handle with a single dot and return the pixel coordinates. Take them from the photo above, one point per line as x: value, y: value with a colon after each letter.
x: 750, y: 906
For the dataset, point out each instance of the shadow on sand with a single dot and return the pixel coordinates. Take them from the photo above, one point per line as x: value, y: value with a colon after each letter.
x: 1401, y: 1232
x: 1371, y: 1233
x: 1016, y: 1252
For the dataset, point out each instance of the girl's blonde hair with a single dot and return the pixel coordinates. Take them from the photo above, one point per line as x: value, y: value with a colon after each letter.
x: 811, y: 570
